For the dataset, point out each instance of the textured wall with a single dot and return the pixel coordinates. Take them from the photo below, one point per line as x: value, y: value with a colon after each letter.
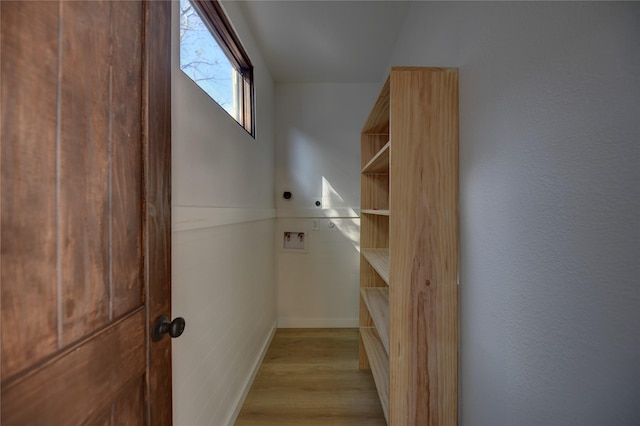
x: 223, y: 252
x: 223, y: 286
x: 549, y: 205
x: 318, y: 143
x: 319, y: 288
x: 318, y: 158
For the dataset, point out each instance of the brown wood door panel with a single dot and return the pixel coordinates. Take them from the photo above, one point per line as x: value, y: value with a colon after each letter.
x: 28, y: 131
x: 84, y: 168
x: 127, y: 169
x: 130, y: 408
x: 85, y: 231
x: 88, y: 377
x: 158, y: 178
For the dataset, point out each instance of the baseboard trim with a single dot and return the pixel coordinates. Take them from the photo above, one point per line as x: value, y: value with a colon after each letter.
x: 254, y: 372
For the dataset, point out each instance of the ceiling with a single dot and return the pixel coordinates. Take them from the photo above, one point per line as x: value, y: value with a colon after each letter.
x: 326, y: 41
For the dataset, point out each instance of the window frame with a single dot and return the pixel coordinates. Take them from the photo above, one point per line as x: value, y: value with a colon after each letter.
x: 214, y: 17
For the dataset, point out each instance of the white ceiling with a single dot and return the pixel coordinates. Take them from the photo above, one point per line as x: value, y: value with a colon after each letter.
x: 326, y: 41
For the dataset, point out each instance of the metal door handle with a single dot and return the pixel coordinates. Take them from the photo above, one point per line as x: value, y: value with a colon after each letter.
x: 163, y: 326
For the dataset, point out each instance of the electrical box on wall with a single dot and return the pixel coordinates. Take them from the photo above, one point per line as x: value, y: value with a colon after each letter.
x: 294, y: 241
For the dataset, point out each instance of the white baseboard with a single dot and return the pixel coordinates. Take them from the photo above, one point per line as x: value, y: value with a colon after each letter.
x: 254, y: 371
x: 318, y: 322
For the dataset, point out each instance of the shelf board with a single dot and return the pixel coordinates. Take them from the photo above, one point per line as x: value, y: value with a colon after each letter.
x: 377, y: 301
x: 380, y: 162
x: 376, y: 212
x: 379, y: 259
x: 379, y: 362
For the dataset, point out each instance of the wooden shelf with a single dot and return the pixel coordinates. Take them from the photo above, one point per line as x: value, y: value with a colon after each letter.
x: 375, y: 212
x: 379, y: 259
x: 380, y: 162
x: 379, y: 361
x: 416, y: 374
x: 377, y: 301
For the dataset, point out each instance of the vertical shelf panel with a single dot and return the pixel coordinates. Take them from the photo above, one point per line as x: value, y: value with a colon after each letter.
x: 374, y: 192
x: 378, y: 120
x: 379, y: 259
x: 423, y: 240
x: 409, y: 239
x: 379, y: 365
x: 369, y: 278
x: 380, y: 161
x: 377, y: 301
x: 371, y: 145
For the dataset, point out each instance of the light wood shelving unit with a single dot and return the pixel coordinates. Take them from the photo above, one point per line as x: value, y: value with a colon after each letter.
x: 379, y: 260
x: 409, y: 246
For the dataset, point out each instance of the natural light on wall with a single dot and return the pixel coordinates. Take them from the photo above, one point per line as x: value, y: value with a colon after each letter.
x: 205, y: 61
x: 334, y: 206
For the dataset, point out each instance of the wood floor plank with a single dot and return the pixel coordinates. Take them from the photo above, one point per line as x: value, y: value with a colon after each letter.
x: 311, y: 377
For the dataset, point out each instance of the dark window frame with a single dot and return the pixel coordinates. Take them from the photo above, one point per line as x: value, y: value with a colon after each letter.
x: 214, y: 17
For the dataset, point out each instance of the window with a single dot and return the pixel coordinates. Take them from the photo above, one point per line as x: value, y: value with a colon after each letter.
x: 212, y: 56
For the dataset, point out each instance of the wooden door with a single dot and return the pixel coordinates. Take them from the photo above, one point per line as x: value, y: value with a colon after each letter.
x: 85, y: 231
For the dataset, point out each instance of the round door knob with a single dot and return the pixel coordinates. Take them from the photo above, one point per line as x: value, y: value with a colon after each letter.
x: 163, y: 326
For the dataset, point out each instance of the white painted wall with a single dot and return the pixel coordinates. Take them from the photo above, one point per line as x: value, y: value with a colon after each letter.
x: 318, y: 158
x: 223, y: 252
x: 549, y: 205
x: 549, y: 213
x: 319, y: 288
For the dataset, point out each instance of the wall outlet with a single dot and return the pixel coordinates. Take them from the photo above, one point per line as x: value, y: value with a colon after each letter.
x: 294, y: 241
x: 315, y: 225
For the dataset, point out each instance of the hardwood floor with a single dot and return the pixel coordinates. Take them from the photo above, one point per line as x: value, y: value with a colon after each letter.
x: 311, y: 377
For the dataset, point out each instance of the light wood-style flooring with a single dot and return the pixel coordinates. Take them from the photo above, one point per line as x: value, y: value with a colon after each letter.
x: 311, y: 377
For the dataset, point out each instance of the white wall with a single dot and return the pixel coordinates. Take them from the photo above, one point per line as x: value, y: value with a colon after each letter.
x: 223, y: 251
x: 318, y: 158
x: 549, y: 205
